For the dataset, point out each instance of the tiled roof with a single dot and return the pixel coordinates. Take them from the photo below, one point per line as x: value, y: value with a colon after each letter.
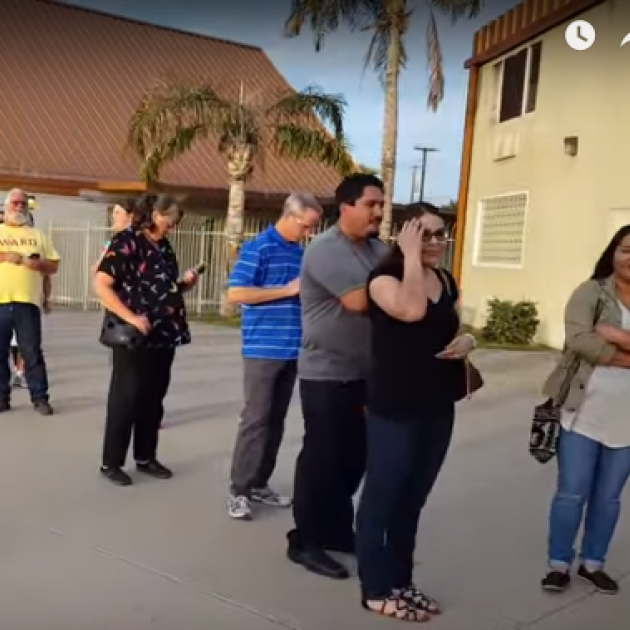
x: 70, y: 79
x: 522, y: 23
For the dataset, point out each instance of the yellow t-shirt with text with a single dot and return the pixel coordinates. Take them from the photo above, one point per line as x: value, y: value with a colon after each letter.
x: 17, y: 282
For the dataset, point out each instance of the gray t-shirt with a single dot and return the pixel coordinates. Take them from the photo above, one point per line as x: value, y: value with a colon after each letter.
x: 335, y: 341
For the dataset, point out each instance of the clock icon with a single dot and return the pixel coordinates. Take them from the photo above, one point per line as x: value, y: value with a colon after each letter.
x: 580, y: 35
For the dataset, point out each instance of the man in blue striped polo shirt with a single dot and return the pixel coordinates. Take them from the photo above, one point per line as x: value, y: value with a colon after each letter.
x: 265, y: 282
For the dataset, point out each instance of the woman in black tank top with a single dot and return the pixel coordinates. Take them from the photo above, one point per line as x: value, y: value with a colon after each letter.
x: 416, y: 373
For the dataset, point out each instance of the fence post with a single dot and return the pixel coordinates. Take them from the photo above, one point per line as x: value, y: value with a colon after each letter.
x: 202, y: 258
x: 87, y: 264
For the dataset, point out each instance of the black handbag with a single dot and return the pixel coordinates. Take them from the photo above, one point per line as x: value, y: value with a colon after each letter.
x: 546, y: 426
x: 117, y: 333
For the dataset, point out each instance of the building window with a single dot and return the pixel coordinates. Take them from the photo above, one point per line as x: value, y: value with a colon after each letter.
x: 500, y: 237
x: 520, y: 73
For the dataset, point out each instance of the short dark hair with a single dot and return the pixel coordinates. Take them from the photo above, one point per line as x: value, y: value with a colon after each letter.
x: 147, y: 204
x: 352, y: 187
x: 605, y: 265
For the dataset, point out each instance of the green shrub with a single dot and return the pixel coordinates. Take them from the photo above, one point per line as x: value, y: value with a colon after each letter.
x: 513, y: 323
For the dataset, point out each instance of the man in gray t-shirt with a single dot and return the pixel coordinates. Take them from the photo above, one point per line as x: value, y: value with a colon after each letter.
x: 335, y: 339
x: 332, y: 368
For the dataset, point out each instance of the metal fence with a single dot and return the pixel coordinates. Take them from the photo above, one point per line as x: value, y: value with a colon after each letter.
x: 196, y: 239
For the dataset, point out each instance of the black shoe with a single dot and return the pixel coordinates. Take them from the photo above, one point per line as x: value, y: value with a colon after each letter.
x: 317, y: 561
x: 600, y: 580
x: 43, y: 408
x: 116, y: 475
x: 556, y: 581
x: 5, y: 405
x: 154, y: 469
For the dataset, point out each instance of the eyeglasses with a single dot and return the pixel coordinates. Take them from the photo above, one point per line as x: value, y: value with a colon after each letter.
x: 441, y: 236
x: 18, y: 202
x: 304, y: 225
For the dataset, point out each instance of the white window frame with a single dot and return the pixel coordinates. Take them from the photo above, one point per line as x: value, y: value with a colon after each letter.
x: 479, y: 228
x: 528, y: 69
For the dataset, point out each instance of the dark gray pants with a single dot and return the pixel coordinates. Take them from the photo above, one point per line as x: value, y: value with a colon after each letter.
x: 268, y: 388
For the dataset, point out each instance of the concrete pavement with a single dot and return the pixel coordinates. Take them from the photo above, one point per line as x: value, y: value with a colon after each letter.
x: 76, y: 552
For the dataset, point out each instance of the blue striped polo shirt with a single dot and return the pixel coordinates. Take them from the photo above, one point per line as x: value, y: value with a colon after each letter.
x: 272, y: 330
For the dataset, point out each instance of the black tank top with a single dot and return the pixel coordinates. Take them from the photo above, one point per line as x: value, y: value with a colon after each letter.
x: 406, y: 381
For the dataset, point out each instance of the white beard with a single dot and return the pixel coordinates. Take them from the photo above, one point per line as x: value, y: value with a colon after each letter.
x: 18, y: 219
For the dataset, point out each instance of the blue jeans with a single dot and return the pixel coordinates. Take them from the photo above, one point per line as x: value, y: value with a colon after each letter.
x: 591, y: 476
x: 403, y: 462
x: 26, y: 321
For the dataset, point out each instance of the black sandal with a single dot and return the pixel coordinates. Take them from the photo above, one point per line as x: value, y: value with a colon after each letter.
x: 414, y: 596
x: 396, y: 608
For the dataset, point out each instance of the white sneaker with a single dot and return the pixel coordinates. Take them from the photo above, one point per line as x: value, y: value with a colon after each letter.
x: 239, y: 508
x: 267, y: 496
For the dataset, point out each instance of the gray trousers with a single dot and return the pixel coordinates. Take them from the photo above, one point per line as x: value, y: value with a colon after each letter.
x: 268, y: 388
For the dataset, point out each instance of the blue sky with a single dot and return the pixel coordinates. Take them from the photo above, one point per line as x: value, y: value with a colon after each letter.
x: 338, y: 69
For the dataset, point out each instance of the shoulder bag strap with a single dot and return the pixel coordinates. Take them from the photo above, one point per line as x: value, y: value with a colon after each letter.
x: 599, y: 306
x: 451, y: 288
x: 448, y: 283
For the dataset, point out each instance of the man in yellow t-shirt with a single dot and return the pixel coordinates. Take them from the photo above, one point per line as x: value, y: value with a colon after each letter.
x: 26, y: 255
x: 19, y: 380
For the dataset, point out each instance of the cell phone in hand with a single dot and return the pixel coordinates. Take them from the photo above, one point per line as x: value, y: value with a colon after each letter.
x: 200, y: 268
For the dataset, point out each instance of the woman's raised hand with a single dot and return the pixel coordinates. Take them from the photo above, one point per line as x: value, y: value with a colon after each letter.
x: 410, y: 238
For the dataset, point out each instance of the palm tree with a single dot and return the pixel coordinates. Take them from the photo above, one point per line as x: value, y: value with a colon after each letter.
x: 367, y: 170
x: 174, y: 115
x: 389, y: 22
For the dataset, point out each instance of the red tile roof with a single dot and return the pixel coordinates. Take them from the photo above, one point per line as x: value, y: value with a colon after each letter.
x: 70, y: 79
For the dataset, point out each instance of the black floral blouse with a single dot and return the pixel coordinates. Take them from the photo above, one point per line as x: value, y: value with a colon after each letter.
x: 146, y: 280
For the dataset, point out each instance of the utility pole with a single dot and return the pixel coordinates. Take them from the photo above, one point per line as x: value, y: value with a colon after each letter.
x: 425, y: 151
x: 414, y: 182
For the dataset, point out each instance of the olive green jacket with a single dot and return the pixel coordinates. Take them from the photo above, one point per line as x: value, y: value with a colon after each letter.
x: 582, y: 342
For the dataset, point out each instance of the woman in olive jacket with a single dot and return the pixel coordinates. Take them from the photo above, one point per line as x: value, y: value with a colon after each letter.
x: 594, y: 448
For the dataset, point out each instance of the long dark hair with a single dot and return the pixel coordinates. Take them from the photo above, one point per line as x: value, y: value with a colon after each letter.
x: 395, y: 258
x: 605, y: 265
x: 147, y: 204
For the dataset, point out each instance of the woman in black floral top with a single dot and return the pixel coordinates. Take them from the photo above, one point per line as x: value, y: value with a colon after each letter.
x: 138, y: 280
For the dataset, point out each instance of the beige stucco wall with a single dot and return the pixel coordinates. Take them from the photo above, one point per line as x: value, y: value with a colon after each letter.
x: 575, y: 203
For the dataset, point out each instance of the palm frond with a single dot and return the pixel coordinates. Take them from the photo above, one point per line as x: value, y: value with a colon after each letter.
x: 177, y: 144
x: 389, y: 20
x: 329, y: 109
x: 171, y: 117
x: 434, y: 59
x: 376, y: 54
x: 324, y: 17
x: 297, y: 142
x: 457, y: 8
